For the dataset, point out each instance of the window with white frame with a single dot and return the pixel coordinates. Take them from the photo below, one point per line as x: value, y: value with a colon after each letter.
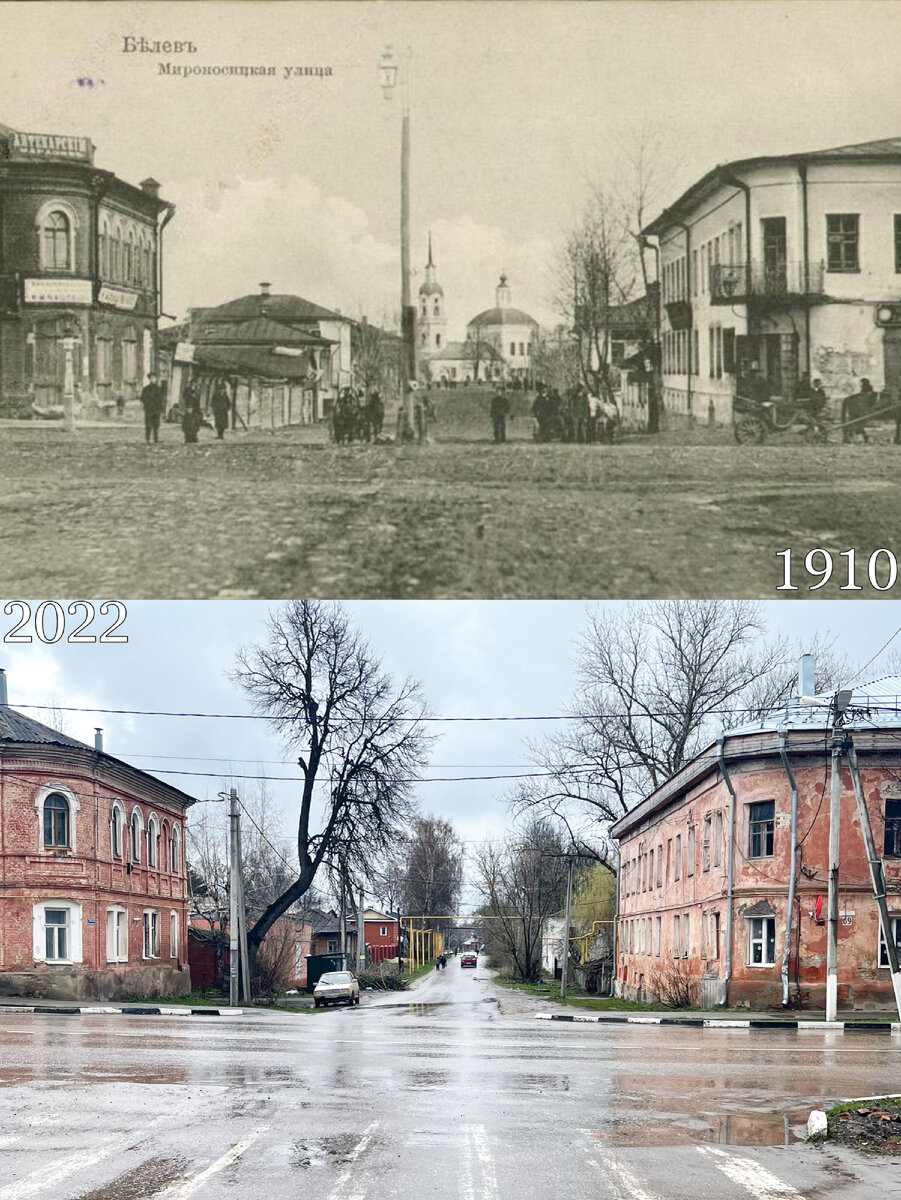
x: 56, y: 242
x: 713, y: 947
x: 705, y: 843
x: 660, y: 866
x: 151, y: 933
x: 116, y: 934
x: 383, y: 931
x: 657, y: 936
x: 57, y: 931
x: 690, y: 852
x: 686, y: 938
x: 677, y: 936
x: 896, y: 933
x: 163, y: 846
x: 677, y: 863
x: 175, y: 850
x: 717, y: 838
x: 173, y: 934
x: 761, y: 941
x: 57, y: 821
x: 153, y: 842
x: 117, y: 829
x: 136, y: 827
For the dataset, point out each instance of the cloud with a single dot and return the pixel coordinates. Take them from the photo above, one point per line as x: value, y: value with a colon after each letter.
x: 230, y: 234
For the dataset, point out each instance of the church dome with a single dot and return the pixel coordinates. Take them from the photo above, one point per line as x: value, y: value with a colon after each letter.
x: 431, y: 287
x: 503, y: 316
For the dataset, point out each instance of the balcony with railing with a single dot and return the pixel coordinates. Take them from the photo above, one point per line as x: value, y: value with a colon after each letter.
x: 768, y: 285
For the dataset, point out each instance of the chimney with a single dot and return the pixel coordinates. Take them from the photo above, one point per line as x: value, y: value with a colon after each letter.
x: 806, y: 675
x: 3, y: 699
x: 98, y: 739
x: 264, y: 289
x: 151, y: 187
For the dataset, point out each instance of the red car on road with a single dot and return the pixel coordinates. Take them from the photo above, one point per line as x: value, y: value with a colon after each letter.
x: 469, y: 959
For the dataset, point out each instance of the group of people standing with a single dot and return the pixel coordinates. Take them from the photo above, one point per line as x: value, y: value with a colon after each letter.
x: 576, y: 416
x: 356, y: 416
x: 153, y: 401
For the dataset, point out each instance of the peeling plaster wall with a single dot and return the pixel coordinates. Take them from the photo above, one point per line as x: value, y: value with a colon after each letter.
x: 862, y: 984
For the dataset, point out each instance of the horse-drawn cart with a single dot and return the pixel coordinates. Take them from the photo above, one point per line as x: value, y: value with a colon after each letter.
x: 755, y: 421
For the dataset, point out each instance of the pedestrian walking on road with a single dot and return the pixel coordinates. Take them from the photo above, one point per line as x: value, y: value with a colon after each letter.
x: 221, y: 405
x: 153, y: 399
x: 500, y: 410
x: 191, y: 418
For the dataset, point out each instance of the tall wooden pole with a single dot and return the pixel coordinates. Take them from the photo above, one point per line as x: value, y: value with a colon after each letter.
x: 566, y: 919
x: 408, y: 309
x: 233, y: 900
x: 835, y: 798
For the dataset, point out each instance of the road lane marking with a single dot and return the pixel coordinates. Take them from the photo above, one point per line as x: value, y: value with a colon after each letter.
x: 754, y: 1178
x: 180, y: 1191
x: 338, y: 1192
x: 48, y: 1177
x: 479, y: 1143
x: 634, y: 1190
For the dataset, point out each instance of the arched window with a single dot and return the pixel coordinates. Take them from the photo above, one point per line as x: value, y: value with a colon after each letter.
x: 103, y: 248
x: 129, y: 266
x: 175, y: 851
x: 56, y: 820
x: 147, y: 278
x: 153, y: 842
x: 116, y: 829
x: 173, y: 934
x: 116, y: 255
x: 164, y: 846
x: 437, y: 309
x: 56, y: 242
x: 423, y: 302
x: 137, y: 828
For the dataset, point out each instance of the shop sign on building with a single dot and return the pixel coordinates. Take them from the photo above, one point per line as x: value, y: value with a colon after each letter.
x: 117, y: 297
x: 51, y: 145
x: 184, y: 352
x: 59, y: 291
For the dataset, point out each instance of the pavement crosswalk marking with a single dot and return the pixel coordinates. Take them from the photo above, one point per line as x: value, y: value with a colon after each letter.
x: 479, y: 1143
x: 339, y: 1191
x: 45, y: 1178
x: 181, y: 1191
x: 631, y: 1187
x: 754, y: 1178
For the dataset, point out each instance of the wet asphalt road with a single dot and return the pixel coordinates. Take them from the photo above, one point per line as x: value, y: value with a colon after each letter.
x: 452, y: 1091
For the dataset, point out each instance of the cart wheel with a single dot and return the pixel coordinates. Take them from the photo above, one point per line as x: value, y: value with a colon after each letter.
x: 749, y: 429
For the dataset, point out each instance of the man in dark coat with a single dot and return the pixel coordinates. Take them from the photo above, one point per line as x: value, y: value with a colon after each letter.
x: 153, y: 399
x: 500, y: 410
x: 221, y: 405
x: 191, y: 419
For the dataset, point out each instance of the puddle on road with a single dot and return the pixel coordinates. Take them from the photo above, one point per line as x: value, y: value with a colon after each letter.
x: 730, y: 1129
x: 146, y: 1180
x: 316, y: 1152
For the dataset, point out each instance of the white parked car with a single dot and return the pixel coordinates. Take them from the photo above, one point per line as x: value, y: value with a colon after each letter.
x: 336, y: 987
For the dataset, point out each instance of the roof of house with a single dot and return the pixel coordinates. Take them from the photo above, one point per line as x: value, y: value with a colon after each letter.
x: 18, y: 730
x: 281, y: 308
x: 252, y: 362
x: 873, y: 706
x: 503, y: 316
x: 886, y: 149
x: 259, y: 331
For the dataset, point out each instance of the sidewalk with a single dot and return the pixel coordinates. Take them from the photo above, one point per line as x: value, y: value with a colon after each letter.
x: 712, y: 1020
x: 132, y: 1010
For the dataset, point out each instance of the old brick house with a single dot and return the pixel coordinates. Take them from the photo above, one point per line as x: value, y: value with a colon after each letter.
x: 705, y: 864
x: 80, y: 275
x: 380, y: 934
x: 92, y: 870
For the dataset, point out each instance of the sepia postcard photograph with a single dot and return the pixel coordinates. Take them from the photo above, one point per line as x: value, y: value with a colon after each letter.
x: 450, y: 300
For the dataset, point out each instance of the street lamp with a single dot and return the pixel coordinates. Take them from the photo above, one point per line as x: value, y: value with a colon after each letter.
x: 389, y: 76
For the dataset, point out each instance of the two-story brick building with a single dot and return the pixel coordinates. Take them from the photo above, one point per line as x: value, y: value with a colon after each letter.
x: 93, y: 885
x: 706, y: 864
x: 792, y: 262
x: 80, y: 275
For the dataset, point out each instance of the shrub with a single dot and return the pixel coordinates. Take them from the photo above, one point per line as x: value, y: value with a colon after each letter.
x: 382, y: 977
x: 674, y: 987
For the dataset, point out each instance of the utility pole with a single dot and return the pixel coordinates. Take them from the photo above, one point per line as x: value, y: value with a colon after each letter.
x: 342, y: 924
x: 842, y: 700
x: 388, y: 73
x: 242, y: 916
x: 361, y: 933
x: 570, y: 866
x: 233, y: 899
x: 877, y: 873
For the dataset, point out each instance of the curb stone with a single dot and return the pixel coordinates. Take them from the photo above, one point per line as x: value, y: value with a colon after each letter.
x: 893, y: 1027
x: 141, y: 1010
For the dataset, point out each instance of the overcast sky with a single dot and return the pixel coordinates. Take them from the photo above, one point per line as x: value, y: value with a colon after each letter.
x: 474, y: 658
x: 515, y: 107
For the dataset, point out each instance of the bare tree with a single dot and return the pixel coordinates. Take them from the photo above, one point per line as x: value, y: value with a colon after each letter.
x: 361, y: 742
x: 655, y: 683
x: 431, y: 870
x: 597, y: 272
x: 57, y: 717
x: 522, y: 881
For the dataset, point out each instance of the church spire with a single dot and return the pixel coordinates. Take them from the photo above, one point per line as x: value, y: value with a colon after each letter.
x: 430, y: 263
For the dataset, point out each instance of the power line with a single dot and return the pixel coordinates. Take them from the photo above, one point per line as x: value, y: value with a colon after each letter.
x: 876, y: 655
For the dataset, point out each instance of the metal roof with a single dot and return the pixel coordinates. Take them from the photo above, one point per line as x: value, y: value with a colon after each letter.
x: 16, y: 727
x: 873, y: 705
